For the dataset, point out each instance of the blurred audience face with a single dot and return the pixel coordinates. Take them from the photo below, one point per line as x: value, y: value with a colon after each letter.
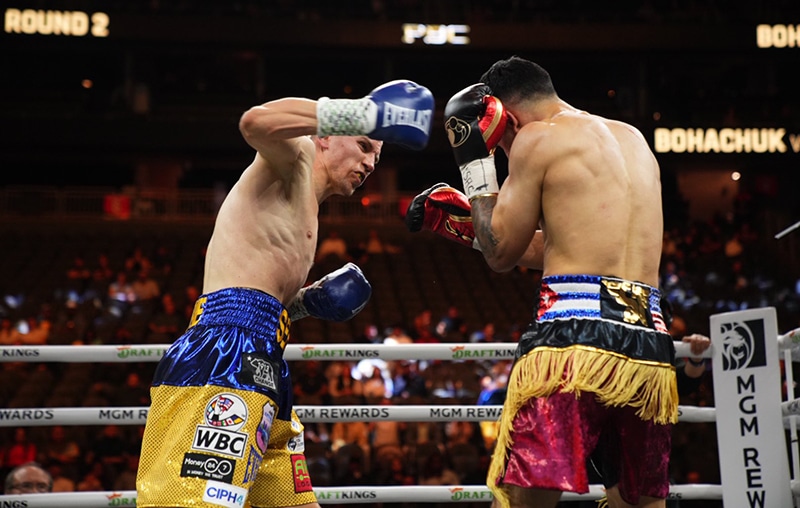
x: 29, y: 479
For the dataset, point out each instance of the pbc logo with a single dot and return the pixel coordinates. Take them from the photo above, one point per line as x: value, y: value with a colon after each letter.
x: 224, y: 415
x: 743, y: 345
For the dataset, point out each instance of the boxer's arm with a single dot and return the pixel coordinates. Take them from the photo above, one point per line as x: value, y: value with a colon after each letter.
x: 279, y: 119
x: 533, y: 257
x: 506, y: 224
x: 277, y: 129
x: 475, y: 122
x: 447, y: 212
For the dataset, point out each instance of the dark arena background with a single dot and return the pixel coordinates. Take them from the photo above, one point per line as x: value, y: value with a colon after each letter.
x: 119, y: 139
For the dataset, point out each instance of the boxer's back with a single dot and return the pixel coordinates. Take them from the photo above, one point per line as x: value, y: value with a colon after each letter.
x: 601, y: 201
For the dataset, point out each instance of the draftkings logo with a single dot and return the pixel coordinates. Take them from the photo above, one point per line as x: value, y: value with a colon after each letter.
x: 743, y: 345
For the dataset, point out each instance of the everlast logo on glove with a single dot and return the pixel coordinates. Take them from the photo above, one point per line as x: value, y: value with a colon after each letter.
x: 398, y: 115
x: 383, y: 115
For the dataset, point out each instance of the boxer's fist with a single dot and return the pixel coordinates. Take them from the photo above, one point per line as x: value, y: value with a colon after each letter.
x: 475, y: 122
x: 404, y: 114
x: 398, y: 112
x: 445, y: 211
x: 338, y: 296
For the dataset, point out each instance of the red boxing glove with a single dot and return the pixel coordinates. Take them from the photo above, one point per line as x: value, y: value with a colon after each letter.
x: 493, y: 122
x: 445, y: 211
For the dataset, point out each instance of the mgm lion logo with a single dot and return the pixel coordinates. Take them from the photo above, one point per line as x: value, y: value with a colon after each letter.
x: 743, y: 345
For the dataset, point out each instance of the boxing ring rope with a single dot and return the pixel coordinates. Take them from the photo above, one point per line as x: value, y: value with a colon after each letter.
x: 332, y: 352
x: 789, y: 343
x: 352, y: 495
x: 293, y: 352
x: 45, y: 417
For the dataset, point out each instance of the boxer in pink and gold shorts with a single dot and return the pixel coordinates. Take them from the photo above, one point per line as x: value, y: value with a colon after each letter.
x: 595, y: 366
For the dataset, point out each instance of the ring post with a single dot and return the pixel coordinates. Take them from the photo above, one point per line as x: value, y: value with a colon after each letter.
x: 747, y: 396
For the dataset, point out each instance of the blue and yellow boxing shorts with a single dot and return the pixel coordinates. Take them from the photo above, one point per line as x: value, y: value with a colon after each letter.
x: 221, y: 430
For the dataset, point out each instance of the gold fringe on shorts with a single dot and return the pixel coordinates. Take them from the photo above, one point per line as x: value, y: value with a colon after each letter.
x: 615, y: 379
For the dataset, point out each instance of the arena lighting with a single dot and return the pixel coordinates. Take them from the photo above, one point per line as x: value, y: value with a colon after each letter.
x: 51, y: 22
x: 736, y: 176
x: 778, y: 36
x: 435, y: 35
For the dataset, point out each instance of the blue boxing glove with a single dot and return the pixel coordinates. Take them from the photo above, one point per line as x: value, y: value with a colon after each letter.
x: 398, y: 112
x: 338, y: 296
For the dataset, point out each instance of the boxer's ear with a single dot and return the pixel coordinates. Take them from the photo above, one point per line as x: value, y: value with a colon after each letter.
x: 512, y: 123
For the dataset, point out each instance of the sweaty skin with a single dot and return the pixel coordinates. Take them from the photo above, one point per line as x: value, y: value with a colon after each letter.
x: 265, y: 235
x: 583, y: 195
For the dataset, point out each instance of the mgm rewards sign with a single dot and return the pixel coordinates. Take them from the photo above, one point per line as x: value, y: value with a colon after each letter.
x: 747, y: 398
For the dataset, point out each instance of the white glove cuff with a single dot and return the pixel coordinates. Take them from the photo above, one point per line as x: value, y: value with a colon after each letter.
x: 479, y: 177
x: 297, y: 310
x: 346, y: 117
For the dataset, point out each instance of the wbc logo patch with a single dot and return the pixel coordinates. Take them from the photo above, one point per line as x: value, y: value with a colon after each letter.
x: 224, y: 415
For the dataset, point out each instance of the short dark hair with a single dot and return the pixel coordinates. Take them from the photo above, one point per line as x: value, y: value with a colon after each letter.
x: 10, y: 477
x: 516, y: 78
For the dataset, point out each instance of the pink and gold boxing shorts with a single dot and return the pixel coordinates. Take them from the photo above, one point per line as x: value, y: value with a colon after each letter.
x: 595, y: 365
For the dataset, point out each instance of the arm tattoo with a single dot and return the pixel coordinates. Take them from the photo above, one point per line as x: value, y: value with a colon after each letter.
x: 482, y: 210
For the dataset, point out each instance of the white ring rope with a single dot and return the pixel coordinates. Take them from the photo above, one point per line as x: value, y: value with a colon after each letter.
x: 791, y: 341
x: 448, y: 351
x: 350, y: 495
x: 333, y: 352
x: 13, y: 417
x: 42, y: 417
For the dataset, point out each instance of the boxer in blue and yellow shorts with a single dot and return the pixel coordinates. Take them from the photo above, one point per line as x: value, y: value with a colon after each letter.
x: 597, y: 363
x: 221, y: 417
x: 221, y: 430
